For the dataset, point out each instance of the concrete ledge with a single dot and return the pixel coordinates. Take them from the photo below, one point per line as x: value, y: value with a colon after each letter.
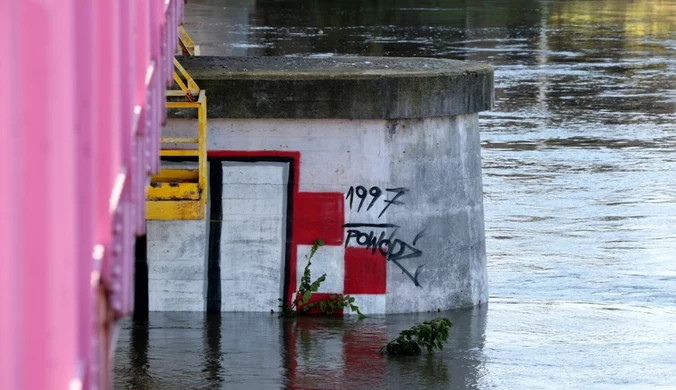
x: 340, y: 87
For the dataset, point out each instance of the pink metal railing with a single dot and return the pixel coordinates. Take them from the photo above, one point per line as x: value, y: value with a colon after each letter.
x: 80, y: 114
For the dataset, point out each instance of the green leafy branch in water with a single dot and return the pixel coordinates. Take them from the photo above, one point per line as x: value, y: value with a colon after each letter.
x: 302, y: 302
x: 335, y: 303
x: 430, y: 334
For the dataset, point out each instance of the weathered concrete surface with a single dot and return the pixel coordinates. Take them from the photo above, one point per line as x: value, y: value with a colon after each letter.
x: 177, y: 259
x: 436, y: 161
x: 252, y: 242
x: 440, y: 161
x: 379, y: 157
x: 340, y: 87
x: 176, y: 265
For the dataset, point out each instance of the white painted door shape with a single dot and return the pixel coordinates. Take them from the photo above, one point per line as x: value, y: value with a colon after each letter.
x: 253, y: 235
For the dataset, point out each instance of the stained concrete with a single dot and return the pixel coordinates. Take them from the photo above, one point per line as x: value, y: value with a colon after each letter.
x: 407, y: 128
x: 437, y: 161
x: 252, y: 241
x: 176, y: 265
x: 340, y: 87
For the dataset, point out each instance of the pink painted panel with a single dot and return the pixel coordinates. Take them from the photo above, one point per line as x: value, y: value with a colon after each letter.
x: 85, y: 193
x: 114, y: 265
x: 107, y: 52
x: 48, y: 265
x: 141, y: 27
x: 69, y: 143
x: 10, y: 211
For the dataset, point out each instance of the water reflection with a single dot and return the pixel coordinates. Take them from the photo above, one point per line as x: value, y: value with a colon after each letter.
x: 551, y: 55
x: 139, y: 377
x: 212, y: 348
x: 262, y: 351
x: 519, y: 343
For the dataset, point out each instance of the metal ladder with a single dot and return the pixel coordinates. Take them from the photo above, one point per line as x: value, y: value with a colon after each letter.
x: 176, y: 194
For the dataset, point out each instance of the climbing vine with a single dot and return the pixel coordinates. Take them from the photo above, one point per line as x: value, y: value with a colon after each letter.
x: 301, y: 303
x: 430, y: 335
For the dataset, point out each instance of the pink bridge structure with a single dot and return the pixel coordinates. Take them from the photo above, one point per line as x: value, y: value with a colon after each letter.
x: 84, y: 98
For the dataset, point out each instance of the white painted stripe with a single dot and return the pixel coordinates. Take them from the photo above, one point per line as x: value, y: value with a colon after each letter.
x: 369, y: 304
x: 329, y: 260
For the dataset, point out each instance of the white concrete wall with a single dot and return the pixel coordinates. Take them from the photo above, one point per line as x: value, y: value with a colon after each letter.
x: 335, y: 154
x: 435, y: 163
x: 253, y: 235
x: 441, y: 164
x: 177, y: 265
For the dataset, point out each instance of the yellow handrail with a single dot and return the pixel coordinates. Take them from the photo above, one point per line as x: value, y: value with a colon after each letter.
x: 178, y: 199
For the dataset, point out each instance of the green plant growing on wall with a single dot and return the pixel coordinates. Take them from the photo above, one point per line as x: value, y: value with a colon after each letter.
x: 430, y: 334
x: 302, y: 302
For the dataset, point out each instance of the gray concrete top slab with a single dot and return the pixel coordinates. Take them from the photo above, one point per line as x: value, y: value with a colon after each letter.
x: 341, y: 87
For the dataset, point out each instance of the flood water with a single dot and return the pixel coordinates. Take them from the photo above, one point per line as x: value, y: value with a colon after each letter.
x: 580, y: 205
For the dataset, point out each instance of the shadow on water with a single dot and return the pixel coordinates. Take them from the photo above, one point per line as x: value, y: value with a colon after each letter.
x: 241, y: 350
x: 137, y: 374
x: 212, y: 347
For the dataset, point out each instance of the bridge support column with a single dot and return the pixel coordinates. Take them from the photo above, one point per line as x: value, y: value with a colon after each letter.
x: 378, y: 157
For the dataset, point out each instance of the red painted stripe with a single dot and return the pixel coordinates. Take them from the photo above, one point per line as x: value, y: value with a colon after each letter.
x: 318, y: 215
x: 316, y: 297
x: 365, y: 271
x: 361, y: 354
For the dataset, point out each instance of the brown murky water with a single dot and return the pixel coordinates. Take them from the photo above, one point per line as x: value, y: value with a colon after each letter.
x: 580, y: 204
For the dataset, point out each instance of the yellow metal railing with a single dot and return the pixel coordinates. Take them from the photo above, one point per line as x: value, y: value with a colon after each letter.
x: 182, y: 193
x: 188, y: 47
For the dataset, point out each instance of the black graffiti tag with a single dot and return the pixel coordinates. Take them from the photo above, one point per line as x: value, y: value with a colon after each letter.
x: 399, y: 192
x: 375, y: 193
x: 392, y: 248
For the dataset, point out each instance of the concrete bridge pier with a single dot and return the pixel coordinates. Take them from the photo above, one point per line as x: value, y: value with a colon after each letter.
x: 378, y: 157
